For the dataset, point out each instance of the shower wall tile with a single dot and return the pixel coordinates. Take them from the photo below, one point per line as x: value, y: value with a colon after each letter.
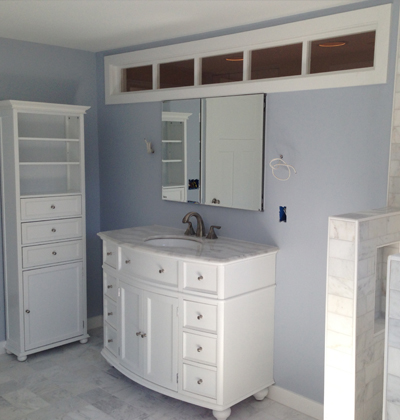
x: 354, y: 367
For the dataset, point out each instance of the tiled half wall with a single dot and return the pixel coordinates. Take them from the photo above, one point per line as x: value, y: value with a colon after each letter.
x: 358, y: 244
x: 392, y: 349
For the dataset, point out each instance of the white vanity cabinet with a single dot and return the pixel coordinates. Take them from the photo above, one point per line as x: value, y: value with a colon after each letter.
x: 43, y: 211
x: 193, y: 324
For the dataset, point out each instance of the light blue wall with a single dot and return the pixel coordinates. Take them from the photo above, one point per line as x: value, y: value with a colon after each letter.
x: 35, y: 72
x: 337, y: 139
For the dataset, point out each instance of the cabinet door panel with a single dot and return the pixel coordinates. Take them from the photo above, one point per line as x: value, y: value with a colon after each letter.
x: 161, y: 327
x: 129, y: 316
x: 52, y: 304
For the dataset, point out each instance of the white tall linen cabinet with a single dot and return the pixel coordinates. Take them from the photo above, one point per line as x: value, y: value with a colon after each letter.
x: 43, y: 215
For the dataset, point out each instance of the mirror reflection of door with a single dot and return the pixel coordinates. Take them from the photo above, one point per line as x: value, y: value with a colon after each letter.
x: 233, y: 133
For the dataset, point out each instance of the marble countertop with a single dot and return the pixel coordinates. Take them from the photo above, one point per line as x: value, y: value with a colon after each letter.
x: 212, y: 250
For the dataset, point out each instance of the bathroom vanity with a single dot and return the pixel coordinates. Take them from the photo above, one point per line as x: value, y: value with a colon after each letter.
x: 189, y: 317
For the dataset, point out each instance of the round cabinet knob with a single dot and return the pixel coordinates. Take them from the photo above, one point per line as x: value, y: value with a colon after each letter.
x: 199, y: 316
x: 109, y: 286
x: 199, y: 349
x: 127, y: 261
x: 200, y: 278
x: 161, y: 270
x: 53, y: 230
x: 52, y: 206
x: 109, y: 313
x: 54, y: 253
x: 109, y: 253
x: 200, y: 381
x: 110, y: 340
x: 28, y: 311
x: 138, y: 333
x: 143, y: 335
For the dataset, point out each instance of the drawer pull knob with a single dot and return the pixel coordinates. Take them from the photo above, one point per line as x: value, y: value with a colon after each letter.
x: 54, y: 253
x: 109, y: 286
x: 28, y: 311
x: 200, y: 381
x: 161, y: 270
x: 54, y: 230
x: 109, y: 253
x: 138, y: 333
x: 199, y: 316
x: 200, y: 278
x: 52, y: 206
x: 127, y: 261
x: 199, y: 349
x: 109, y: 313
x: 143, y: 335
x: 110, y: 340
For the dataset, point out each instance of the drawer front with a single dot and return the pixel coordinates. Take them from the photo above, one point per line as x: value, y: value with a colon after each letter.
x: 110, y: 253
x: 50, y: 207
x: 202, y: 277
x: 110, y: 285
x: 200, y: 381
x: 200, y: 316
x: 51, y: 253
x: 110, y: 312
x: 149, y: 266
x: 54, y: 230
x: 110, y: 339
x: 199, y: 348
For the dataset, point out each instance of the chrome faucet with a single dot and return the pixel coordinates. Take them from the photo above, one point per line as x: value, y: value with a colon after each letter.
x: 200, y: 231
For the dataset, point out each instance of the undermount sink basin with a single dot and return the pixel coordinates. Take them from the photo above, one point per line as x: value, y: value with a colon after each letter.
x: 174, y: 242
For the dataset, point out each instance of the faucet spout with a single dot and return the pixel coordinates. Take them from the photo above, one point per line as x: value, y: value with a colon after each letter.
x: 200, y: 230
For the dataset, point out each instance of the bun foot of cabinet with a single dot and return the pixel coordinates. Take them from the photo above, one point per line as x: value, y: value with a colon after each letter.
x: 222, y: 415
x: 259, y: 396
x: 22, y: 358
x: 8, y: 352
x: 84, y: 340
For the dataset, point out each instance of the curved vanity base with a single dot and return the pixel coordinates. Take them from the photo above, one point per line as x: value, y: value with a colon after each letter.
x: 84, y: 340
x: 222, y: 415
x: 259, y: 396
x: 21, y: 358
x: 8, y: 351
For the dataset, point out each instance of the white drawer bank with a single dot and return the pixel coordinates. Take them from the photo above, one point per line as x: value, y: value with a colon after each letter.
x: 194, y: 323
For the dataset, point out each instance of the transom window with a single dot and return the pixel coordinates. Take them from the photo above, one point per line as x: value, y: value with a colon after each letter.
x: 295, y: 56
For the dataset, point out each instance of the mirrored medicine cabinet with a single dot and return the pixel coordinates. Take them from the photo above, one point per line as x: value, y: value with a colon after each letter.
x: 213, y: 151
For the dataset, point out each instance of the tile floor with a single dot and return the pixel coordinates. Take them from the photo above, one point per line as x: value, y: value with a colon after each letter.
x: 74, y: 382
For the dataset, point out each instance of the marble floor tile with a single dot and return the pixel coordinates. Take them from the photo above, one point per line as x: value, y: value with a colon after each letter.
x: 74, y: 382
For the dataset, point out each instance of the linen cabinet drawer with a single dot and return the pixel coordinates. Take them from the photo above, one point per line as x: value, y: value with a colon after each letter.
x: 149, y: 266
x: 200, y: 381
x: 54, y: 230
x: 202, y: 277
x: 200, y: 316
x: 51, y: 253
x: 110, y: 285
x: 199, y: 348
x: 110, y: 312
x: 110, y: 339
x: 50, y: 207
x: 110, y: 253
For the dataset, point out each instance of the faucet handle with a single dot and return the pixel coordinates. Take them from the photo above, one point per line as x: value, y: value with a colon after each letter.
x: 211, y: 234
x: 189, y: 231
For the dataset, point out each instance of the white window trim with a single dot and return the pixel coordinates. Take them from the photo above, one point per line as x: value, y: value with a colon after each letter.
x: 374, y: 18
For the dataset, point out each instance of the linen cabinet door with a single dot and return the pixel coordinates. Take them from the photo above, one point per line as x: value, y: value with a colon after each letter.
x: 52, y: 304
x: 131, y: 348
x: 161, y: 340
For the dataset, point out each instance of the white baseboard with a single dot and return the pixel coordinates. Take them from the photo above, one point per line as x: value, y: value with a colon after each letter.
x: 2, y: 347
x: 297, y: 402
x: 95, y: 322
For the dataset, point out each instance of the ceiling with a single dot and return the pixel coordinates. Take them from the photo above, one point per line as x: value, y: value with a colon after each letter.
x: 99, y: 25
